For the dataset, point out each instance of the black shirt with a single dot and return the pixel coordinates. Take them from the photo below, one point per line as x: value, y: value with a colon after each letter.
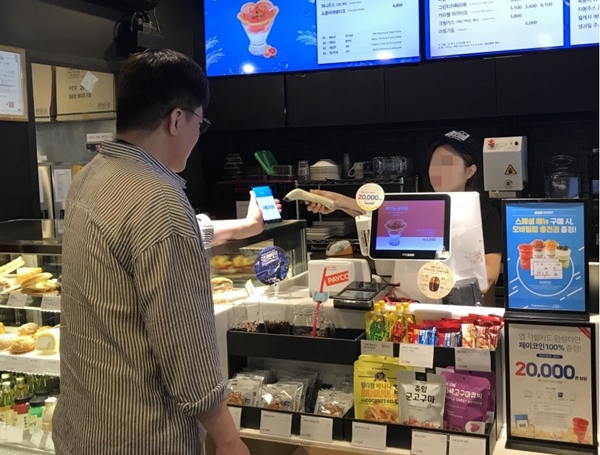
x: 492, y: 229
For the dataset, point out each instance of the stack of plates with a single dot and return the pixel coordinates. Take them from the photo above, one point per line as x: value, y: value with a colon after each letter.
x: 323, y: 170
x: 339, y: 228
x: 318, y: 233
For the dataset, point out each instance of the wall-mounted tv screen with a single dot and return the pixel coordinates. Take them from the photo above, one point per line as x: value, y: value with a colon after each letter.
x: 458, y: 28
x: 275, y: 36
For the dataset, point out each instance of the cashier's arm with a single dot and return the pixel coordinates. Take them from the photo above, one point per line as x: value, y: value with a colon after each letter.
x: 492, y: 266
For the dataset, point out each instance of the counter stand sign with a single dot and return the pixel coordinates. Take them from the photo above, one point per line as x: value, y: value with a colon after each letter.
x: 271, y: 267
x: 551, y: 386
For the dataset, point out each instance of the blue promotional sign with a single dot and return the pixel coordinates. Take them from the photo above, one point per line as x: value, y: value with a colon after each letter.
x: 545, y: 265
x: 272, y: 265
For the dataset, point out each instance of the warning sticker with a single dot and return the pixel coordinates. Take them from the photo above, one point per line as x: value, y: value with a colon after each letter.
x: 510, y: 170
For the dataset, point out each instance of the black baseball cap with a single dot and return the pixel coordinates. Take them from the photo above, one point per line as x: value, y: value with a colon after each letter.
x: 460, y: 141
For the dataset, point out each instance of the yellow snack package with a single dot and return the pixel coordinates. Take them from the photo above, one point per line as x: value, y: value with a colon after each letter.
x: 376, y: 391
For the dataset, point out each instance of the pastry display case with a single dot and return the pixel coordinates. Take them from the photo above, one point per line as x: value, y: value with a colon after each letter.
x: 30, y: 272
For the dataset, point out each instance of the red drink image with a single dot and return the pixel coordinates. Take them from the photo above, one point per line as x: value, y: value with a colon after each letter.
x: 257, y: 20
x: 525, y: 255
x: 395, y: 228
x: 580, y: 427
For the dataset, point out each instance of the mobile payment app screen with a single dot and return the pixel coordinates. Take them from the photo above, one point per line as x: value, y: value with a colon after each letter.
x: 265, y: 200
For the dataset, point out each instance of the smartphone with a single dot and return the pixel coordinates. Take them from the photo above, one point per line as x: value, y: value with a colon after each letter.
x: 266, y: 202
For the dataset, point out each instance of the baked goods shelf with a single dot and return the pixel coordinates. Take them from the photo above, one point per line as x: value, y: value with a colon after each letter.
x: 18, y: 301
x: 31, y: 363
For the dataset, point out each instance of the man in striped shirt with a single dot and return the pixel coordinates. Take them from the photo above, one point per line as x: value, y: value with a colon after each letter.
x: 140, y: 373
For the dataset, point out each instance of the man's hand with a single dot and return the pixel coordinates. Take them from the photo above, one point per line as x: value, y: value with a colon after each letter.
x: 254, y: 219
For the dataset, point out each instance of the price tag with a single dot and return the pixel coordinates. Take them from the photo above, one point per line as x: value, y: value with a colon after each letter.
x: 51, y: 302
x: 384, y: 348
x: 36, y: 366
x: 369, y: 435
x: 20, y: 364
x: 426, y: 443
x: 276, y: 424
x: 36, y: 438
x: 17, y: 300
x: 52, y: 366
x: 236, y: 415
x: 469, y: 359
x: 320, y: 296
x: 460, y: 445
x: 49, y: 443
x: 316, y: 428
x: 416, y: 355
x: 11, y: 434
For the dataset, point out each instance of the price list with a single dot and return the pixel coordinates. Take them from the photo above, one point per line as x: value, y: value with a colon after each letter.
x: 471, y: 27
x: 584, y: 22
x: 363, y: 30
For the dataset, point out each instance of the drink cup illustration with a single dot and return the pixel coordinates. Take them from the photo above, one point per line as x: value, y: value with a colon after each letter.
x: 395, y: 228
x: 563, y: 254
x: 539, y: 248
x: 525, y: 255
x: 551, y: 246
x: 580, y: 427
x: 257, y: 20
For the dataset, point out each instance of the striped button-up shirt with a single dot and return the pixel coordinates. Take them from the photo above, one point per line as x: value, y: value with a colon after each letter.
x: 138, y: 349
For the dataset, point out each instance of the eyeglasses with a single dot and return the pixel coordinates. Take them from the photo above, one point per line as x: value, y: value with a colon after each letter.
x: 205, y: 122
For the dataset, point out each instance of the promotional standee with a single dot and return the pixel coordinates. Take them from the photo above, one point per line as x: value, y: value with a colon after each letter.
x: 546, y: 263
x: 550, y: 365
x: 551, y: 386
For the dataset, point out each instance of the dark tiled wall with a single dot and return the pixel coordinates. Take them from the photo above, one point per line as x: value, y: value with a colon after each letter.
x: 548, y: 135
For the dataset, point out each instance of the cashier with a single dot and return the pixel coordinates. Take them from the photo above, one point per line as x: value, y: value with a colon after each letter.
x: 452, y: 168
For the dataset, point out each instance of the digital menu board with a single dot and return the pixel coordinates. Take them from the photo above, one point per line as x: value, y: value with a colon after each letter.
x: 545, y: 262
x: 456, y: 28
x: 272, y: 36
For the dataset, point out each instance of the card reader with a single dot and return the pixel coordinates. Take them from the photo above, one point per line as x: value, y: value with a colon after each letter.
x: 360, y: 295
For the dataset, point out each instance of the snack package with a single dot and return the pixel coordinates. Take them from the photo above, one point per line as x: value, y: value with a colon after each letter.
x: 466, y: 402
x: 333, y: 403
x: 421, y: 397
x: 280, y: 396
x: 375, y: 394
x: 243, y: 391
x: 491, y: 406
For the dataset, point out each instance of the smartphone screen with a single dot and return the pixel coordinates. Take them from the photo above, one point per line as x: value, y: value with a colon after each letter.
x: 266, y: 202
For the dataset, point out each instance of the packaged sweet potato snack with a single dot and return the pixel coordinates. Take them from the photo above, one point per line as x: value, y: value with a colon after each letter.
x: 421, y: 397
x: 466, y: 402
x: 491, y: 407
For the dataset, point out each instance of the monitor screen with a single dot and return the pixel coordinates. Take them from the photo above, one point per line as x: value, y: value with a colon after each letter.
x: 411, y: 226
x: 455, y: 29
x: 546, y: 265
x: 305, y: 35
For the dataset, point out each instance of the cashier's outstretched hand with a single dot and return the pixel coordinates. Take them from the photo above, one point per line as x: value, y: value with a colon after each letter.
x: 339, y: 199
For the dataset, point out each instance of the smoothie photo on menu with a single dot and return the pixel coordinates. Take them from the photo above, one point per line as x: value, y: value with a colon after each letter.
x: 257, y: 20
x: 394, y: 229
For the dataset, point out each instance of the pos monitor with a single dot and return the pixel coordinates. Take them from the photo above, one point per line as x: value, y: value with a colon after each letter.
x: 412, y: 229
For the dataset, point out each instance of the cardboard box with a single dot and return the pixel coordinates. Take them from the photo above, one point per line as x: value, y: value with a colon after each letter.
x: 43, y: 92
x: 84, y: 95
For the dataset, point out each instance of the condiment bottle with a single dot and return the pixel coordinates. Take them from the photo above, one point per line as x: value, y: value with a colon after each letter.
x: 49, y: 406
x: 21, y: 409
x: 6, y: 403
x: 409, y: 319
x: 398, y: 329
x: 36, y: 410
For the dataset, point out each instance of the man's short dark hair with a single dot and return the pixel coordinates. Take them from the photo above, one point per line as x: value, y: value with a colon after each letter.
x: 153, y: 83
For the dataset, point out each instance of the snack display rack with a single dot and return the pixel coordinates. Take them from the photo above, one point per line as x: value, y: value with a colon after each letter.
x: 344, y: 349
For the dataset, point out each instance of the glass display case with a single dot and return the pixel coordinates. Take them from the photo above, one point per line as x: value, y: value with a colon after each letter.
x: 30, y: 297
